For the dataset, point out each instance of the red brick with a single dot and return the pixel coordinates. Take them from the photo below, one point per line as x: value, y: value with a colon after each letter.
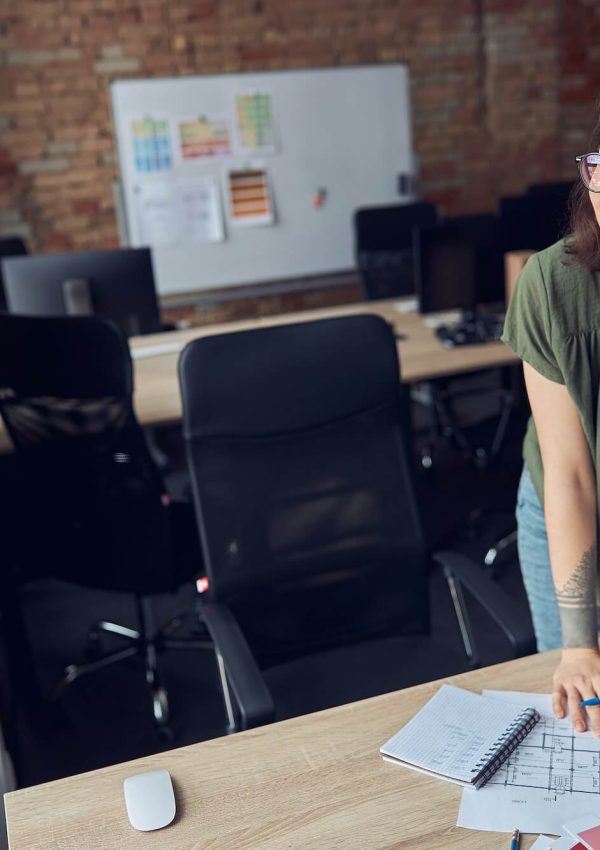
x: 473, y: 97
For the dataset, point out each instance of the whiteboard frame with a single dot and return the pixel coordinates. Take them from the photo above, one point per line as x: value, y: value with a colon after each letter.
x: 358, y: 160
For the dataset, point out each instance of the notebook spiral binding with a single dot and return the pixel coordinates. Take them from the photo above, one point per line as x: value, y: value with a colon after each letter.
x: 504, y: 746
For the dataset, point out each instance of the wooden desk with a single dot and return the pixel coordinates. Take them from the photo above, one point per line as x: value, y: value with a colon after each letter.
x: 313, y: 783
x: 157, y: 400
x: 422, y: 356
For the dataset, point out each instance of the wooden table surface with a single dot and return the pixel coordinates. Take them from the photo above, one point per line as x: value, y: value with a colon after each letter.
x: 157, y: 400
x: 312, y: 783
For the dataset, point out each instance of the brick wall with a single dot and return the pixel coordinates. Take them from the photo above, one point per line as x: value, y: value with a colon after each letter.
x: 502, y: 90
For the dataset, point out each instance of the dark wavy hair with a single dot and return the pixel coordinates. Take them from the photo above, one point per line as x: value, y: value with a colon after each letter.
x: 583, y: 241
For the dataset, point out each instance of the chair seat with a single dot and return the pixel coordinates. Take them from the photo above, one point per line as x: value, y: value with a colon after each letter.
x: 359, y: 671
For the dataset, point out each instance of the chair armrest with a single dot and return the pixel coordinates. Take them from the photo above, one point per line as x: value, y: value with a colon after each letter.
x: 491, y: 597
x: 251, y: 694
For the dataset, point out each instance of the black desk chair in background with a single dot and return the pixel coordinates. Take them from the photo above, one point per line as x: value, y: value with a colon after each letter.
x: 93, y: 508
x: 383, y: 247
x: 537, y: 219
x: 458, y: 265
x: 10, y: 246
x: 316, y: 563
x: 117, y: 285
x: 553, y: 209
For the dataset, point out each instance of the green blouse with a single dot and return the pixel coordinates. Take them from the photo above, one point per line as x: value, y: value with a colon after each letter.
x: 553, y: 323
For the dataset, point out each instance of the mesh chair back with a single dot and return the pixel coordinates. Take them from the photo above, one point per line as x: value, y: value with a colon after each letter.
x: 10, y: 246
x: 301, y: 481
x: 384, y: 248
x: 91, y: 507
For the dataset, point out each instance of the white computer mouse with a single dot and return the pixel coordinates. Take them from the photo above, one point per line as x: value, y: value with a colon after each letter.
x: 149, y: 800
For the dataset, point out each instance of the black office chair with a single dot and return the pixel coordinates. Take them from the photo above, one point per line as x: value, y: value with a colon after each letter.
x: 383, y: 247
x: 10, y: 246
x: 553, y: 209
x: 459, y: 266
x: 93, y: 508
x: 317, y: 568
x: 535, y: 220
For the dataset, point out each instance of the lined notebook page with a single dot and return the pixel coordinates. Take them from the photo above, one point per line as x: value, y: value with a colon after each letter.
x: 452, y: 733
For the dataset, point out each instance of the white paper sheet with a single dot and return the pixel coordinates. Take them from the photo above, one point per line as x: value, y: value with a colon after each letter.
x: 566, y: 843
x: 452, y: 734
x: 551, y: 778
x: 172, y: 211
x: 544, y: 842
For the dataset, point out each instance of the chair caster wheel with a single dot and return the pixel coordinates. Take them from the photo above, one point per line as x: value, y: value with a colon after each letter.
x: 160, y: 706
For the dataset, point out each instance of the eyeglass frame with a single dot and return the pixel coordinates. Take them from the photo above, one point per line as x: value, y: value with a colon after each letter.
x: 579, y: 160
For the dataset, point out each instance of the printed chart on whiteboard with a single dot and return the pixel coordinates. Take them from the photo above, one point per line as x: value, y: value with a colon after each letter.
x: 552, y: 776
x: 250, y: 202
x: 204, y: 137
x: 151, y: 141
x: 254, y: 117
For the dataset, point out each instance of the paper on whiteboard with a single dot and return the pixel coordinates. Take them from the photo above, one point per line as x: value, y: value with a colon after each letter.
x: 250, y: 197
x: 169, y: 211
x: 156, y: 217
x: 551, y: 778
x: 151, y: 144
x: 200, y: 204
x: 205, y: 136
x: 255, y: 129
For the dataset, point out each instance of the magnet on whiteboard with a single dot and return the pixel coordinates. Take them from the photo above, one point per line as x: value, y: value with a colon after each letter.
x: 319, y: 198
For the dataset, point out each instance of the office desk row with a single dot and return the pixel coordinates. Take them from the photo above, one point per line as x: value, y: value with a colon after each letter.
x: 316, y: 781
x: 157, y: 399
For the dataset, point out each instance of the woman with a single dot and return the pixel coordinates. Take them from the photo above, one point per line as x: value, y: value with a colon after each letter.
x: 553, y: 324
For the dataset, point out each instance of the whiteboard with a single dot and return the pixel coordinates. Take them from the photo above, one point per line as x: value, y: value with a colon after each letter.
x: 333, y: 140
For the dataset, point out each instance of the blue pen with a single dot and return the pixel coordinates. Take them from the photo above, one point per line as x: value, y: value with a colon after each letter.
x: 514, y: 844
x: 594, y: 701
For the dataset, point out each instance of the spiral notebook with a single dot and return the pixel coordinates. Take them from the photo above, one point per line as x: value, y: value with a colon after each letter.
x: 460, y: 736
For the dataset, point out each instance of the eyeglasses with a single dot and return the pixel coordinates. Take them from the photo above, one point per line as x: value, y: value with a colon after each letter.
x: 587, y: 163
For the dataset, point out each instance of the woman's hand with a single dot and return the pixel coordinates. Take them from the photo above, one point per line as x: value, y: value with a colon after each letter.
x: 576, y: 678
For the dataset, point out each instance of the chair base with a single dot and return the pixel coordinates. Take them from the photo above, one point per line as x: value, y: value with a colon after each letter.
x: 147, y: 642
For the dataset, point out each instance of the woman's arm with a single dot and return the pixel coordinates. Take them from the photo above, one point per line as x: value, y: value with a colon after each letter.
x: 570, y: 508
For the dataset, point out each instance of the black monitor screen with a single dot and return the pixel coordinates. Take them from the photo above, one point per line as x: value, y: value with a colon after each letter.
x: 116, y: 284
x: 484, y: 233
x: 445, y: 270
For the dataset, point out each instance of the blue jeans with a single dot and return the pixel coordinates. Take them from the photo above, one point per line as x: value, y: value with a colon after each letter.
x: 532, y: 543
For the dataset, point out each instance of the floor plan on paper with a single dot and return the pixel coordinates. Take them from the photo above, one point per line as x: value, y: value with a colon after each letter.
x: 552, y: 776
x: 555, y: 759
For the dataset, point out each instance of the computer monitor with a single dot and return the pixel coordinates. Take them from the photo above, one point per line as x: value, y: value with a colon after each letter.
x: 445, y: 269
x: 117, y: 284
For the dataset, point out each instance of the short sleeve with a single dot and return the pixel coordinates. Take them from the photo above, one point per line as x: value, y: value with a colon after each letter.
x: 528, y: 325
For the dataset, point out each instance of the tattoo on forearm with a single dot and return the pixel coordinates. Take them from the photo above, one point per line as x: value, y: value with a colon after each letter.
x: 577, y: 604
